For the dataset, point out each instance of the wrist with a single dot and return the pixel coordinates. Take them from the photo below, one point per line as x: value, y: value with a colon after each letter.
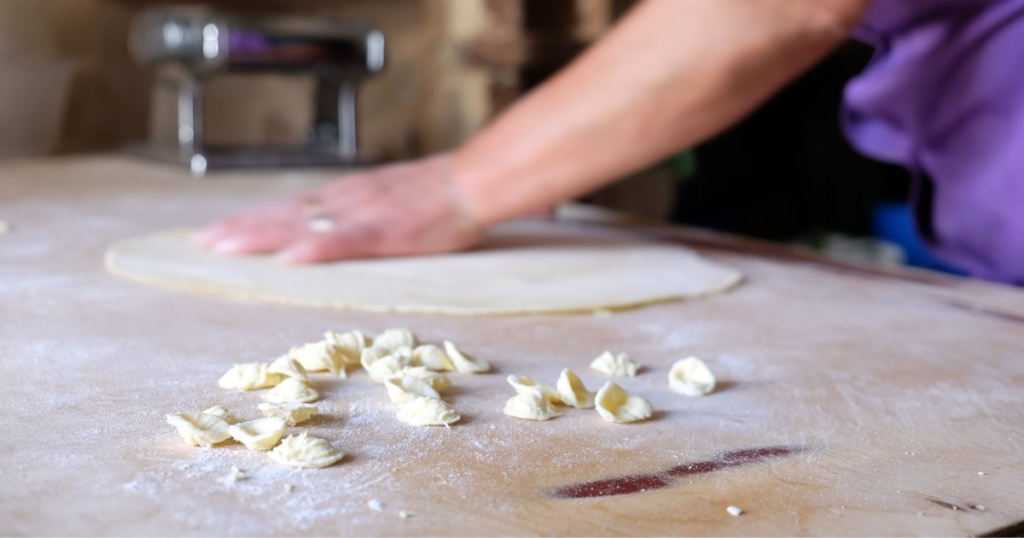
x: 469, y: 190
x: 464, y: 206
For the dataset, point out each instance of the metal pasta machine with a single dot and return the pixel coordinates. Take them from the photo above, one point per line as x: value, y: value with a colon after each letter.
x: 189, y: 45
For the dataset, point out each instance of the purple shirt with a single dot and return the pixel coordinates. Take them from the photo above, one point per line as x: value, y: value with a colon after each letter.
x: 944, y: 97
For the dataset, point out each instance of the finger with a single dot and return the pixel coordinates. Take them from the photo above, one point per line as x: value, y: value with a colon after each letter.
x: 351, y: 242
x: 246, y: 219
x: 231, y: 226
x: 248, y: 222
x: 262, y: 239
x: 211, y: 234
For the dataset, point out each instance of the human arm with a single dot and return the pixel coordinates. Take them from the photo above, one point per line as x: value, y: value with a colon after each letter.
x: 671, y: 74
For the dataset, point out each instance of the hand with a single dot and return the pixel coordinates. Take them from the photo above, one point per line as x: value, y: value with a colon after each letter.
x: 402, y: 209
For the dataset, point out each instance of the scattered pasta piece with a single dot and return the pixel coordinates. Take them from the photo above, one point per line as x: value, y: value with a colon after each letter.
x: 436, y: 381
x: 223, y: 414
x: 320, y: 356
x: 371, y: 354
x: 533, y: 401
x: 530, y: 405
x: 403, y: 388
x: 691, y: 377
x: 524, y: 384
x: 235, y: 475
x: 259, y: 434
x: 405, y: 353
x: 393, y: 339
x: 291, y: 413
x: 291, y: 391
x: 572, y: 392
x: 423, y: 411
x: 616, y: 405
x: 431, y: 357
x: 464, y: 363
x: 200, y: 429
x: 250, y: 376
x: 306, y: 452
x: 381, y: 363
x: 289, y: 367
x: 351, y: 345
x: 618, y: 365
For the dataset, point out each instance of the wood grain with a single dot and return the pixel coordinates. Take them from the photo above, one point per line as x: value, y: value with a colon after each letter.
x: 890, y: 394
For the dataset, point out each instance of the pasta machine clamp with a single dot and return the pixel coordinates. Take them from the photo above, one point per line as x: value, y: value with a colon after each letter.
x: 189, y: 45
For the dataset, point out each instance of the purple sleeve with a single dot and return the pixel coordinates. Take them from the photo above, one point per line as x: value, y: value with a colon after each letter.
x: 944, y: 97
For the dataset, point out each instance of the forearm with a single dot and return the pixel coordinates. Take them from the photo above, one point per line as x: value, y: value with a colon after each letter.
x: 671, y: 74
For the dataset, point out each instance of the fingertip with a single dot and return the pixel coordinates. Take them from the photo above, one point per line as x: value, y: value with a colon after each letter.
x: 230, y: 246
x: 206, y: 237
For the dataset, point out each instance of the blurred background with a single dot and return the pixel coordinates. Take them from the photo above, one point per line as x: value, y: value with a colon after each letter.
x: 68, y: 85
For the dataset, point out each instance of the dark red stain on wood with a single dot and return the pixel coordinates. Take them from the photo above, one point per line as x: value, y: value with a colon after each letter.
x: 649, y: 482
x: 614, y: 486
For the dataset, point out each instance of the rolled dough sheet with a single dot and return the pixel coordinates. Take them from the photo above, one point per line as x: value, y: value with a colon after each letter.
x: 521, y: 267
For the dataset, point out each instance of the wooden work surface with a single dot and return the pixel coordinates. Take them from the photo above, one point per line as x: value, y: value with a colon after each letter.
x: 852, y: 401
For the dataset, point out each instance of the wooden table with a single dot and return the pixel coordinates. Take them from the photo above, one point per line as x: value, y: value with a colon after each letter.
x: 852, y: 400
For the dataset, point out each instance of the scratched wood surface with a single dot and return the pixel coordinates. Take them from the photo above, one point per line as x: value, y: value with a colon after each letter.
x: 852, y: 401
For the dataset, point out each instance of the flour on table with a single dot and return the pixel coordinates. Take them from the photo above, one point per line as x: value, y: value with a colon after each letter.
x: 614, y: 404
x: 615, y: 365
x: 249, y: 376
x: 200, y: 429
x: 291, y: 391
x: 260, y: 434
x: 306, y: 452
x: 291, y: 413
x: 691, y: 377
